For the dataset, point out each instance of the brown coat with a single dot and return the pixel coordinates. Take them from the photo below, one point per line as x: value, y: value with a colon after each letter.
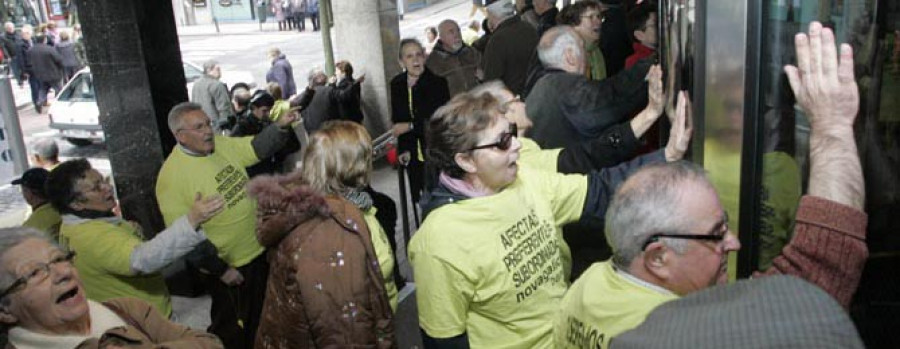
x: 324, y: 288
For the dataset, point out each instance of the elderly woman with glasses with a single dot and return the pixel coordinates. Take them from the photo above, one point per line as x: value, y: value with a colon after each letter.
x: 114, y: 259
x: 331, y: 277
x: 489, y: 258
x: 44, y: 304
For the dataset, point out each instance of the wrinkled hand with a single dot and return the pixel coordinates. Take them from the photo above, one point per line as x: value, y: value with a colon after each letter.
x: 205, y: 208
x: 824, y: 87
x: 232, y: 277
x: 656, y: 96
x: 285, y: 120
x: 680, y: 134
x: 400, y: 128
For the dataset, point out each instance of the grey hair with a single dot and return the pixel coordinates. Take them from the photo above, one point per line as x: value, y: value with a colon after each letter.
x: 316, y: 77
x: 12, y: 237
x: 648, y: 203
x: 177, y: 114
x: 274, y: 52
x: 493, y: 87
x: 46, y: 148
x: 553, y: 45
x: 501, y: 10
x: 209, y: 65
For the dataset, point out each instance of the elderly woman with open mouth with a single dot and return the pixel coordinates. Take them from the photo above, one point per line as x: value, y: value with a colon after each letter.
x: 43, y: 304
x: 114, y: 260
x: 488, y: 259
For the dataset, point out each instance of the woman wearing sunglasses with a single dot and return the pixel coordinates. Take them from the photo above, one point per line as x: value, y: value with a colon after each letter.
x: 488, y: 260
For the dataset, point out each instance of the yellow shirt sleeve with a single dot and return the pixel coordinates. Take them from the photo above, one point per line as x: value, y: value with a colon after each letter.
x: 239, y: 149
x: 443, y: 296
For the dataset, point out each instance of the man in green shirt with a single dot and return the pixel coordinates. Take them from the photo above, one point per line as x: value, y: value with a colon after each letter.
x: 210, y: 164
x: 43, y: 216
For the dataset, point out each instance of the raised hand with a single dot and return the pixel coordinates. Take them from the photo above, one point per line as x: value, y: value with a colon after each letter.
x: 205, y: 208
x: 680, y: 134
x: 824, y: 87
x: 656, y: 95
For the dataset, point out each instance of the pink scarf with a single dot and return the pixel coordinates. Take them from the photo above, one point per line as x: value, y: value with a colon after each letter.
x: 461, y: 187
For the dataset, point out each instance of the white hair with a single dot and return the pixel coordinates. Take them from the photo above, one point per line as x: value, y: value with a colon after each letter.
x: 553, y: 45
x: 501, y: 10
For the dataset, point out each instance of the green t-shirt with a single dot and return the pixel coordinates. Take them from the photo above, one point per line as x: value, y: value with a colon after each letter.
x: 46, y: 219
x: 103, y: 262
x: 600, y: 305
x: 232, y: 231
x: 384, y: 254
x: 492, y: 267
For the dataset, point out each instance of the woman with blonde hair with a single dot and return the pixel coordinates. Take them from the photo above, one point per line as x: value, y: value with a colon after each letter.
x: 331, y: 275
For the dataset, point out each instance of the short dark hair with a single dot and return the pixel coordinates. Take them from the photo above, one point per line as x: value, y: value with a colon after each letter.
x: 345, y: 67
x: 571, y: 15
x: 638, y: 16
x: 409, y: 41
x: 61, y: 183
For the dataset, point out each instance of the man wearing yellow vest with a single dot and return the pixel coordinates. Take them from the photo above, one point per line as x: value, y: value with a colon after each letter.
x: 210, y: 164
x: 670, y: 234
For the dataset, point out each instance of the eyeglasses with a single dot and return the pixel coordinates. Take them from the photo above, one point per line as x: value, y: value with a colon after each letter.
x: 38, y: 273
x: 505, y: 139
x: 600, y: 16
x: 717, y: 234
x: 202, y: 127
x: 98, y: 185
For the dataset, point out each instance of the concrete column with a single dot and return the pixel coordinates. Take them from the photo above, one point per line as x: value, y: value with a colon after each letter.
x: 135, y: 60
x: 367, y: 34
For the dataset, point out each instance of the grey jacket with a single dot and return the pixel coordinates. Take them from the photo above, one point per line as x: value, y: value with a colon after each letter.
x: 212, y: 95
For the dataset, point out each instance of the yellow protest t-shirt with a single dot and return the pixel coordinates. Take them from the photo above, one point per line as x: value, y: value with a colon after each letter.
x: 103, y: 260
x: 232, y: 231
x: 600, y: 305
x: 46, y: 219
x: 532, y: 155
x: 383, y: 253
x: 492, y: 267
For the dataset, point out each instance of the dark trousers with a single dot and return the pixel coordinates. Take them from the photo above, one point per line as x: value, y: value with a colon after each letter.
x: 45, y: 87
x: 314, y: 18
x: 301, y: 21
x: 35, y: 86
x: 236, y: 309
x: 415, y: 171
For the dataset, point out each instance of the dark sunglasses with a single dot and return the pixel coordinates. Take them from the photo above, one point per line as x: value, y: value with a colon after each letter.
x: 505, y: 139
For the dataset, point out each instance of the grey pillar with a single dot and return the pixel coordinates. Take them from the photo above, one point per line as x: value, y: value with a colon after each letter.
x: 135, y: 59
x: 367, y: 34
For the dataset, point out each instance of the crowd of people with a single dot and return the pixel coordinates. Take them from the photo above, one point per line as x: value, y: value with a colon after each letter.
x: 512, y: 151
x: 45, y: 58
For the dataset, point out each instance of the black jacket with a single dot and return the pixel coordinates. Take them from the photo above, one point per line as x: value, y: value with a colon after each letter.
x: 345, y: 95
x: 249, y: 125
x: 46, y: 63
x: 568, y: 108
x: 319, y: 109
x: 506, y: 55
x: 429, y: 94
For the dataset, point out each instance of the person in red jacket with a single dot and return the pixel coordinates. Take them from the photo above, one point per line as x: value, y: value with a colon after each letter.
x: 642, y: 23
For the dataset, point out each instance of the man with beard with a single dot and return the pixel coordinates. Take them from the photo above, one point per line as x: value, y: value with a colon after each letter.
x: 454, y: 60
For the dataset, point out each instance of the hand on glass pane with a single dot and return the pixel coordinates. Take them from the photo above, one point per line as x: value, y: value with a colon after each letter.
x: 680, y: 134
x: 824, y: 87
x: 657, y: 97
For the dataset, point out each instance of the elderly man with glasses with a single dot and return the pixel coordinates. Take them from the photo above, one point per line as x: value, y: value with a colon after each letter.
x: 206, y: 163
x: 670, y: 233
x: 43, y: 304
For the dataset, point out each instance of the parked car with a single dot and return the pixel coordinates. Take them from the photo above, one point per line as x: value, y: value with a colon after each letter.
x: 75, y: 113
